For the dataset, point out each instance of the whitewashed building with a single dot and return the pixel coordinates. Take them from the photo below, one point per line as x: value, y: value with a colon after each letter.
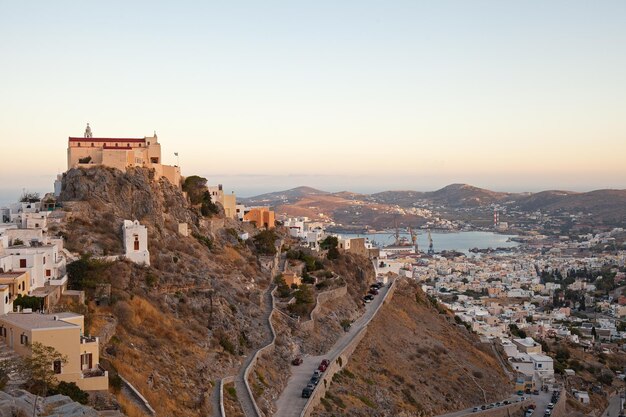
x: 136, y: 242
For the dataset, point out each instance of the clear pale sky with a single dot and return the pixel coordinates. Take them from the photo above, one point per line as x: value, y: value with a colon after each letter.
x: 360, y: 95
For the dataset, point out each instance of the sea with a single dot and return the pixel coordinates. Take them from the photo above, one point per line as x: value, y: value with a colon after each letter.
x: 458, y: 241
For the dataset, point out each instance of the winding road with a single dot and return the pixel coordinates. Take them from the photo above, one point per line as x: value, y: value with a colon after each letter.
x: 290, y: 403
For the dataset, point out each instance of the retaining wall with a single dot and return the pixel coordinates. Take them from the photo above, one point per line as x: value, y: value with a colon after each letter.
x: 560, y: 408
x: 224, y: 381
x: 322, y: 297
x: 341, y: 360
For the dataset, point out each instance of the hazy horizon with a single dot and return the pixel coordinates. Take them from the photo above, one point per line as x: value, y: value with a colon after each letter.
x: 243, y: 185
x: 365, y: 96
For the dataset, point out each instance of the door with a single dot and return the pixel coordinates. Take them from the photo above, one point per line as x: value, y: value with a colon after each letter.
x: 86, y: 361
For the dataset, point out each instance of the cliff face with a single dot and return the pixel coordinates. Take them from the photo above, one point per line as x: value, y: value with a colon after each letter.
x: 131, y: 195
x: 414, y: 361
x: 186, y: 321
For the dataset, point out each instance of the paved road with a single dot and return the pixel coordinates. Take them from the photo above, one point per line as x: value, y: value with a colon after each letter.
x: 290, y: 403
x: 615, y: 406
x: 541, y: 401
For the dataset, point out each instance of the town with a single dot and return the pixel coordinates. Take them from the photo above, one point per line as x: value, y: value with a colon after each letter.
x: 552, y: 307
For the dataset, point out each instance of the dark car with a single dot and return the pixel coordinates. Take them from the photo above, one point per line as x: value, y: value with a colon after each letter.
x: 297, y: 361
x: 307, y: 391
x: 378, y: 286
x: 368, y: 298
x: 536, y: 392
x: 373, y: 291
x: 315, y: 380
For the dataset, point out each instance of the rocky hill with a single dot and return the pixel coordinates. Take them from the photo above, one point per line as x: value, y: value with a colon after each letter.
x: 175, y: 328
x: 415, y: 361
x: 283, y: 197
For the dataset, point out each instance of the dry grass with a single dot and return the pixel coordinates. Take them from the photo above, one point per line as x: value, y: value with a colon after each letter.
x: 129, y: 407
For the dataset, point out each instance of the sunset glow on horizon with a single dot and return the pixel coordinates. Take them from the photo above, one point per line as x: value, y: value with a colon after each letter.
x: 400, y: 95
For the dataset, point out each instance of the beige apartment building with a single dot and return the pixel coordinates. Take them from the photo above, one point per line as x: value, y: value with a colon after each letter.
x: 65, y: 333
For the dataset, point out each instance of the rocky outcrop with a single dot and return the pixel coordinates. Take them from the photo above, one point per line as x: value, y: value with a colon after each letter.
x: 133, y: 194
x: 21, y: 403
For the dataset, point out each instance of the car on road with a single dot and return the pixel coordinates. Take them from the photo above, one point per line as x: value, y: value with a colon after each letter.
x: 373, y: 291
x: 317, y: 373
x: 297, y: 361
x: 529, y: 413
x: 315, y: 380
x: 550, y: 406
x: 475, y: 409
x: 322, y: 368
x: 377, y: 285
x: 536, y: 392
x: 368, y: 298
x: 325, y: 362
x: 307, y: 391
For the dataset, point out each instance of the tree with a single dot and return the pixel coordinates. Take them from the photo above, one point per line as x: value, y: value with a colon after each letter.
x: 265, y: 242
x: 40, y: 366
x: 29, y: 197
x: 195, y: 187
x: 331, y: 244
x: 208, y: 207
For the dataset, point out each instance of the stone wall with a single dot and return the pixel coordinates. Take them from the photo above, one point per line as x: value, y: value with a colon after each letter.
x: 560, y: 408
x: 322, y: 298
x: 340, y: 361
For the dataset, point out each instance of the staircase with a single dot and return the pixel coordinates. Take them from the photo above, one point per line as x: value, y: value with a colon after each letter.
x: 9, y: 360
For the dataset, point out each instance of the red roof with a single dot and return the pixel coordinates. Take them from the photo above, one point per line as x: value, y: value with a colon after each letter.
x: 122, y: 140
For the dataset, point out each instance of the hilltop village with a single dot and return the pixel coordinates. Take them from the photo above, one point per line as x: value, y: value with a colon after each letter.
x: 125, y: 244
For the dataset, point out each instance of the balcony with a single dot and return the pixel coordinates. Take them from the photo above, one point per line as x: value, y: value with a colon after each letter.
x: 88, y: 339
x: 59, y: 281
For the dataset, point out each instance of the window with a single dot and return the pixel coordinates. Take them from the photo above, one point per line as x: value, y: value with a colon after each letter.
x: 57, y: 366
x: 48, y: 272
x: 3, y: 331
x: 128, y: 145
x: 116, y: 145
x: 92, y: 144
x: 23, y: 339
x: 22, y: 263
x: 78, y: 144
x: 136, y: 242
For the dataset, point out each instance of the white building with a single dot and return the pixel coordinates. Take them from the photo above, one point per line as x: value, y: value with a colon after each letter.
x: 136, y: 242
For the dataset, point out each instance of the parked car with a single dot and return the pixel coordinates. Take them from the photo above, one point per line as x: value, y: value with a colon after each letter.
x: 373, y: 291
x: 325, y: 362
x: 317, y: 373
x: 475, y: 409
x: 307, y: 391
x: 367, y: 299
x: 315, y: 380
x: 297, y: 361
x: 536, y: 392
x: 550, y: 406
x: 529, y: 413
x: 322, y: 368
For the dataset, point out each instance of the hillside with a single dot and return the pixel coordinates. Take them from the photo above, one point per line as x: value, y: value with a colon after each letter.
x: 176, y: 327
x: 286, y: 196
x: 414, y: 361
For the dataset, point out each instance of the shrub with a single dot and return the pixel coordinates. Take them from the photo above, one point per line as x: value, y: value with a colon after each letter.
x: 265, y: 242
x: 71, y: 390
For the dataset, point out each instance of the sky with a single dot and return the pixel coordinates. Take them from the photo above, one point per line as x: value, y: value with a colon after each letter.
x: 358, y: 95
